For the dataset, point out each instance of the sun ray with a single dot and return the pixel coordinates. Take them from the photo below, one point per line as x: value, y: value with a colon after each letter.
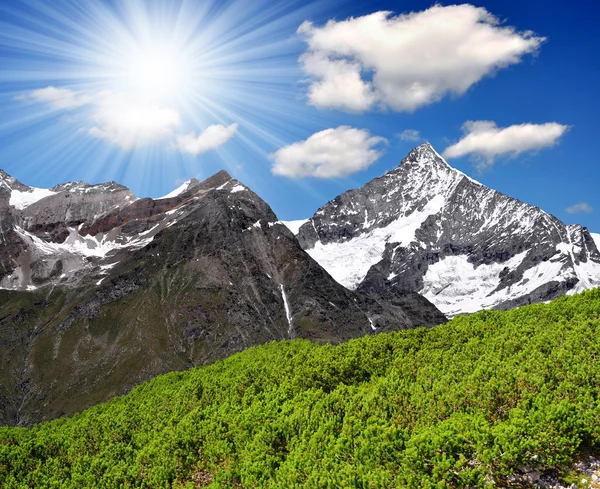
x: 209, y: 62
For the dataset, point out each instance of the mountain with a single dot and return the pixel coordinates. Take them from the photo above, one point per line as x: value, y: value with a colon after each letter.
x: 101, y: 290
x: 428, y: 228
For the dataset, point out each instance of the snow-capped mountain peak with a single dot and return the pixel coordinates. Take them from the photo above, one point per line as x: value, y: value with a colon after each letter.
x: 427, y: 227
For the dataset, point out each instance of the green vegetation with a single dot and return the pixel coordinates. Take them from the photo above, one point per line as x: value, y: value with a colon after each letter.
x: 463, y: 404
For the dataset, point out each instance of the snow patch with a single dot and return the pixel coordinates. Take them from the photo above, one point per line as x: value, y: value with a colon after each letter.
x: 179, y: 190
x: 238, y: 188
x: 88, y: 246
x: 21, y: 199
x: 295, y: 225
x: 596, y: 238
x: 348, y: 262
x: 456, y: 286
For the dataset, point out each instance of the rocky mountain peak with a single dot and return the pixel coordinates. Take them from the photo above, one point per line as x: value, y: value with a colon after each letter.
x: 11, y: 183
x: 423, y: 153
x: 192, y: 277
x: 216, y: 180
x: 429, y: 228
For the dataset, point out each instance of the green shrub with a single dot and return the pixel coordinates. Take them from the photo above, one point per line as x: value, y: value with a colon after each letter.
x: 465, y: 404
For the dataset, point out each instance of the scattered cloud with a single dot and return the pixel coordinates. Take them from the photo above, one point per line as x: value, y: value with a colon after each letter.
x: 212, y: 137
x: 328, y: 154
x: 579, y: 208
x: 407, y: 61
x: 411, y: 135
x: 114, y: 117
x: 128, y: 124
x: 57, y: 98
x: 485, y: 140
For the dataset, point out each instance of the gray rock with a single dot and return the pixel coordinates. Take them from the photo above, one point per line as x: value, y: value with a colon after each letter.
x: 133, y: 290
x: 428, y: 228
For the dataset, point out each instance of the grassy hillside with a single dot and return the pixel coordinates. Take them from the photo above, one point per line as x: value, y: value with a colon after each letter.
x: 463, y: 404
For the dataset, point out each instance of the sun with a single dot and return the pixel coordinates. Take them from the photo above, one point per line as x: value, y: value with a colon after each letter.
x: 156, y: 72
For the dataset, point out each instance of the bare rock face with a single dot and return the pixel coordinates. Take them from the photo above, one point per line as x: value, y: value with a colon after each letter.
x: 104, y: 290
x: 428, y: 228
x: 71, y: 205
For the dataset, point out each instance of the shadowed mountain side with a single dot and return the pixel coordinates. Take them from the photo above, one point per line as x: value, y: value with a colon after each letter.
x: 217, y: 273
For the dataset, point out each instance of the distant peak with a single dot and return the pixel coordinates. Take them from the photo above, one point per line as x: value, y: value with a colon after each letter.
x: 216, y: 180
x: 424, y: 151
x: 84, y: 187
x: 425, y: 156
x: 11, y: 182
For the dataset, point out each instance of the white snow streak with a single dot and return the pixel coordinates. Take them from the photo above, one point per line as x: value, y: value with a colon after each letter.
x: 288, y: 313
x: 371, y: 324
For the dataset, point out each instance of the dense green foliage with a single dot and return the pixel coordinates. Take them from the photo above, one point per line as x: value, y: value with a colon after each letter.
x: 462, y: 404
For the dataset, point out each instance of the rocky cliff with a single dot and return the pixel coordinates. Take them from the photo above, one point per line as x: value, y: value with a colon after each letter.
x: 101, y: 290
x: 428, y: 228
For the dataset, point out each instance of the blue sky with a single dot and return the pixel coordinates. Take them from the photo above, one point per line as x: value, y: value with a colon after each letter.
x: 150, y: 94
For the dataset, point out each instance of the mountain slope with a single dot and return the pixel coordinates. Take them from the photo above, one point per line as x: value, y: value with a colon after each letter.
x: 104, y: 290
x: 428, y: 228
x: 494, y: 399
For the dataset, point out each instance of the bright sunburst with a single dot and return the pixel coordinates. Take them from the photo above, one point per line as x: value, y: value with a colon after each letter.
x: 156, y: 72
x: 156, y: 81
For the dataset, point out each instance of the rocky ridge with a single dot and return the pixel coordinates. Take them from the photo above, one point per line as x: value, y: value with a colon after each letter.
x: 428, y: 228
x: 101, y: 290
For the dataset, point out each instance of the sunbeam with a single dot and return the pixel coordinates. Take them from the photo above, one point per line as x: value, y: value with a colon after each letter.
x: 118, y: 84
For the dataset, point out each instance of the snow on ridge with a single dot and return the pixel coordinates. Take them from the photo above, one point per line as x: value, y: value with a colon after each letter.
x: 237, y: 188
x: 179, y: 190
x: 596, y: 238
x: 88, y: 246
x: 348, y: 262
x: 452, y: 168
x: 21, y: 199
x: 294, y: 225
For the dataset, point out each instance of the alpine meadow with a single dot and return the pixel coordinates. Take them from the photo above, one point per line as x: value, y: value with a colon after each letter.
x: 465, y: 404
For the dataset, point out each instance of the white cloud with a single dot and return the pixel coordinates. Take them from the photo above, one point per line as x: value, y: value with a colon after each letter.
x: 210, y: 138
x: 58, y: 98
x: 328, y: 154
x: 407, y: 61
x: 114, y: 117
x: 340, y: 85
x: 128, y: 124
x: 578, y: 208
x: 411, y: 135
x: 485, y: 140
